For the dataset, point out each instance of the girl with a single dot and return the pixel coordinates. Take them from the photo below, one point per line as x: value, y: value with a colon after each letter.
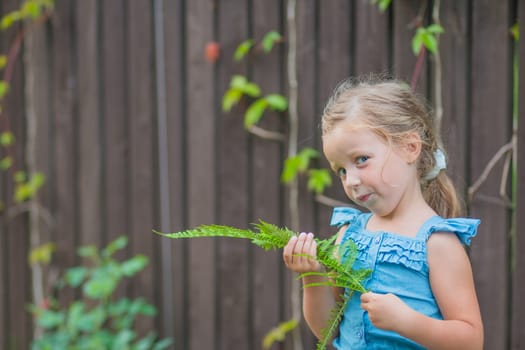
x: 380, y: 142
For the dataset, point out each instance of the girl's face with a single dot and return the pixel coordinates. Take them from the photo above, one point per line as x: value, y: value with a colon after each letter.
x: 373, y: 173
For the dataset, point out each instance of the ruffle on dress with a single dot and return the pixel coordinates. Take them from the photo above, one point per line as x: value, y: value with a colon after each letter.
x: 464, y: 228
x: 407, y: 251
x: 344, y: 215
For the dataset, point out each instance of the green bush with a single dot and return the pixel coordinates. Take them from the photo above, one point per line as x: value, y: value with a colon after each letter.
x: 97, y: 320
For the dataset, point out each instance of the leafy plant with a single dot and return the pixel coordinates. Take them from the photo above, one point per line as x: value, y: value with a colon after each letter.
x: 96, y: 321
x: 240, y: 86
x: 426, y: 36
x: 338, y: 273
x: 26, y: 186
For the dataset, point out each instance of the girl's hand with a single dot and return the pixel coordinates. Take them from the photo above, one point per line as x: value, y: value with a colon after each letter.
x: 386, y: 311
x: 300, y: 254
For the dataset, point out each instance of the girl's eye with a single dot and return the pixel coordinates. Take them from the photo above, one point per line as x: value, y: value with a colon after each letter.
x: 341, y: 172
x: 361, y: 159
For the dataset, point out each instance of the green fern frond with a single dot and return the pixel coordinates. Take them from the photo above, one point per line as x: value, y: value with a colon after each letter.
x: 210, y: 231
x: 339, y: 273
x: 336, y: 315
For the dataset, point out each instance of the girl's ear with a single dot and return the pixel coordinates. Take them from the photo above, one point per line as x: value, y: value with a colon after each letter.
x: 411, y: 147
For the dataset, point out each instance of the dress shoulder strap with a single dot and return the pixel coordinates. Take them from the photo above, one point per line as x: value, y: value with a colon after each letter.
x: 464, y: 228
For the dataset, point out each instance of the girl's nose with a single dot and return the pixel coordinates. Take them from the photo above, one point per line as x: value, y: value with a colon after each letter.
x: 352, y: 179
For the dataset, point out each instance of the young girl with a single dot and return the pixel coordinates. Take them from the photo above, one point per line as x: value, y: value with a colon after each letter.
x: 379, y: 140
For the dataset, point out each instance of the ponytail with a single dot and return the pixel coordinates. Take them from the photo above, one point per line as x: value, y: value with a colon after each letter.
x: 441, y: 195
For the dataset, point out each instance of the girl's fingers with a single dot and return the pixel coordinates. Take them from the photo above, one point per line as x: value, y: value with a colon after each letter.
x: 300, y: 252
x: 309, y: 247
x: 288, y: 250
x: 299, y: 248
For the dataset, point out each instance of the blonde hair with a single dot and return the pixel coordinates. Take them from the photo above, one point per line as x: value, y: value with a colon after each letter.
x: 392, y: 110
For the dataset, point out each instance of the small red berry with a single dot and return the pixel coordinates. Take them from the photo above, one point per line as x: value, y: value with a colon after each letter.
x: 212, y: 51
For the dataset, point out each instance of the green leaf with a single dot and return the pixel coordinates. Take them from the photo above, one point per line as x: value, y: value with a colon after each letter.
x: 242, y: 50
x: 435, y: 29
x: 515, y: 31
x: 278, y: 333
x: 252, y: 90
x: 269, y: 40
x: 20, y: 176
x: 30, y: 9
x: 254, y: 112
x: 117, y: 244
x: 75, y: 276
x: 4, y: 88
x: 430, y: 42
x: 10, y: 18
x: 383, y: 4
x: 88, y: 251
x: 134, y: 265
x: 238, y: 82
x: 417, y: 41
x: 290, y: 169
x: 100, y: 287
x: 231, y: 98
x: 7, y: 138
x: 163, y: 344
x: 25, y: 191
x: 305, y: 155
x: 277, y: 102
x: 42, y: 254
x: 140, y: 306
x: 145, y: 343
x: 92, y: 320
x: 48, y: 319
x: 123, y: 339
x: 3, y: 61
x: 119, y: 307
x: 75, y: 313
x: 318, y: 180
x: 6, y: 163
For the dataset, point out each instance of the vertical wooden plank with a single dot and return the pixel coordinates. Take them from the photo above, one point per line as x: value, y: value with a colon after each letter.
x: 266, y: 158
x: 309, y: 108
x: 490, y: 130
x: 115, y: 182
x: 201, y: 172
x: 371, y: 39
x: 454, y: 57
x: 334, y: 48
x: 17, y: 233
x: 233, y: 327
x: 38, y: 113
x: 141, y: 131
x: 518, y: 278
x: 114, y: 110
x: 89, y: 140
x: 65, y: 150
x: 334, y: 64
x: 174, y: 18
x: 405, y: 17
x: 4, y: 262
x: 309, y: 121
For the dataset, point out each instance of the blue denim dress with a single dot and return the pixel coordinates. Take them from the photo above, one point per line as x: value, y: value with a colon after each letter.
x: 399, y: 266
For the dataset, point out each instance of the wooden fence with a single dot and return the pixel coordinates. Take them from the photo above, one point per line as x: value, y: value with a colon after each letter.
x: 115, y: 102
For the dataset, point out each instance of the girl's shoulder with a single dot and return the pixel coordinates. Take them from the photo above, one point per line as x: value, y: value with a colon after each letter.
x: 463, y: 228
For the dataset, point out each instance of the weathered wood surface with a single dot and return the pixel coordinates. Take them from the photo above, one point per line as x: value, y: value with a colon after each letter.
x: 93, y: 84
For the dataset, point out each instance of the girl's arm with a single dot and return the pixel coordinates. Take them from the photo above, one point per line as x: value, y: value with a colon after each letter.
x: 453, y: 287
x: 299, y: 256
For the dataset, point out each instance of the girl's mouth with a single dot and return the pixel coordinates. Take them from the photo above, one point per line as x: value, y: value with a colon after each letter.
x: 364, y: 197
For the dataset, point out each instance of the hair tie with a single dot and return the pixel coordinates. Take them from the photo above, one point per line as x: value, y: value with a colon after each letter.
x: 440, y: 164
